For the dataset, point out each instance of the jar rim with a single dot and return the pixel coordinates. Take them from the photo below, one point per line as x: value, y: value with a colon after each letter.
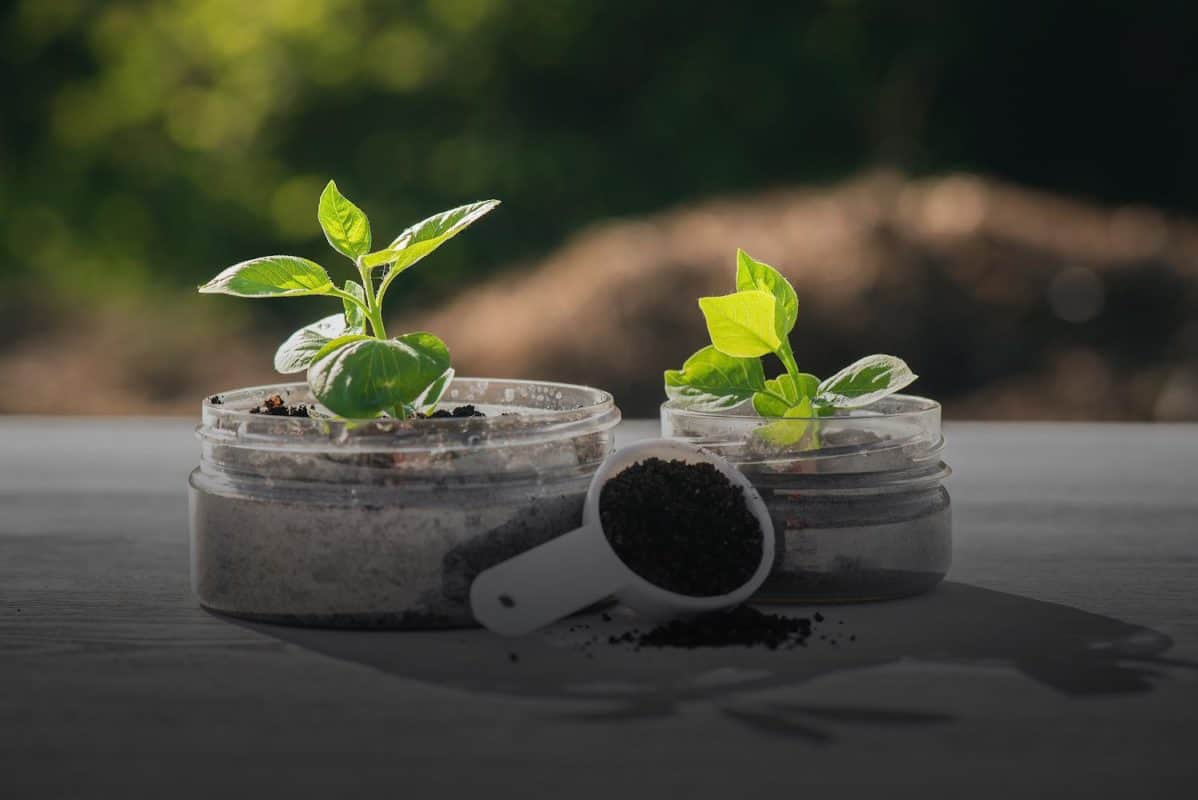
x: 230, y: 421
x: 907, y: 405
x: 895, y: 434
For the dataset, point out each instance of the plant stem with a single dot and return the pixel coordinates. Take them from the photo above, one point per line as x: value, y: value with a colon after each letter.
x: 787, y: 356
x: 376, y: 323
x: 374, y: 311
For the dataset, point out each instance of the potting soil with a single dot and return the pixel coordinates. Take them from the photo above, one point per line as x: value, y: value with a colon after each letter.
x: 683, y: 527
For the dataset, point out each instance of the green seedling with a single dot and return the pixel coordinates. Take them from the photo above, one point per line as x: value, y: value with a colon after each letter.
x: 354, y: 369
x: 757, y: 320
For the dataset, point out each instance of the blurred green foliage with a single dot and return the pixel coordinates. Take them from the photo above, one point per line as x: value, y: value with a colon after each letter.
x: 145, y: 145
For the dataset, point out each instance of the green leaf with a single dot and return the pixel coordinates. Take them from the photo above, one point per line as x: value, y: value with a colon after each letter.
x: 359, y: 377
x: 807, y: 386
x: 754, y: 275
x: 428, y: 399
x: 776, y: 397
x: 424, y: 237
x: 742, y: 324
x: 781, y: 394
x: 802, y: 409
x: 344, y: 224
x: 271, y: 276
x: 770, y: 405
x: 789, y: 431
x: 297, y: 351
x: 783, y: 387
x: 710, y: 380
x: 355, y: 317
x: 865, y: 381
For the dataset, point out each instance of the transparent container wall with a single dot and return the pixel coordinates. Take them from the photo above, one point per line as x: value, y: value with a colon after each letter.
x: 856, y: 499
x: 385, y: 522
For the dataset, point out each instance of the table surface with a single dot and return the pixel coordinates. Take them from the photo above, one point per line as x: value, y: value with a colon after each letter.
x: 1061, y: 656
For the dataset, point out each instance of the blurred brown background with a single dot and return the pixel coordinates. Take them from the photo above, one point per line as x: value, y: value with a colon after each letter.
x: 1000, y: 193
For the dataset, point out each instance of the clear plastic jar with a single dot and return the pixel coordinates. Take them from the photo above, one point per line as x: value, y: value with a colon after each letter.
x: 857, y: 504
x: 385, y: 523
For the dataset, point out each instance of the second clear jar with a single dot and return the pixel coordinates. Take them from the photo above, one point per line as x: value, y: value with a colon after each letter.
x: 857, y: 499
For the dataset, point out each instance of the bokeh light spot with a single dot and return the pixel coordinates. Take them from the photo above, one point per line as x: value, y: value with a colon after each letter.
x: 461, y: 16
x: 401, y: 58
x: 293, y: 206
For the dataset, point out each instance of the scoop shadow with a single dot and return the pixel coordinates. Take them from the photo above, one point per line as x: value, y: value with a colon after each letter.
x: 1072, y: 651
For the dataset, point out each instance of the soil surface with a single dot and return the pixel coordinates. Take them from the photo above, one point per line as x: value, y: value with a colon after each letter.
x: 275, y: 406
x: 460, y: 411
x: 683, y: 527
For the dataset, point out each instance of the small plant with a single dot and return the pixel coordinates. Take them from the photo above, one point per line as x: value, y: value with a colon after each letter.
x: 755, y: 320
x: 353, y: 368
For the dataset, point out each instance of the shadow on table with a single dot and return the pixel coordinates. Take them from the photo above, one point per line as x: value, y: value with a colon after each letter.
x: 1072, y: 651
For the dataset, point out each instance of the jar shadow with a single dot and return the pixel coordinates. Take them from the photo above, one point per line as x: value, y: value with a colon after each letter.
x: 1072, y: 651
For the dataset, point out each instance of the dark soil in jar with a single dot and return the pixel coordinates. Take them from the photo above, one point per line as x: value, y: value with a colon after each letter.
x: 276, y: 406
x: 683, y: 527
x: 457, y: 413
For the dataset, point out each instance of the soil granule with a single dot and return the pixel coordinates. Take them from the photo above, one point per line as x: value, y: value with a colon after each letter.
x: 740, y: 626
x: 457, y: 413
x: 683, y: 527
x: 275, y: 406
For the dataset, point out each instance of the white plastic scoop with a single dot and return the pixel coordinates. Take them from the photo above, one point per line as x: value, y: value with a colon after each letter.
x: 573, y: 571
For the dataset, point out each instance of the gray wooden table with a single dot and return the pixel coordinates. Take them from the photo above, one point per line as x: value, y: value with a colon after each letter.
x: 1060, y: 658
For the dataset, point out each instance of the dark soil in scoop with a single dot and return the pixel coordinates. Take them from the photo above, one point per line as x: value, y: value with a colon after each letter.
x: 683, y: 527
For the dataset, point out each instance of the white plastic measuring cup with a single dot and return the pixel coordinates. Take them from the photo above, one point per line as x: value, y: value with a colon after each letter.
x: 579, y: 568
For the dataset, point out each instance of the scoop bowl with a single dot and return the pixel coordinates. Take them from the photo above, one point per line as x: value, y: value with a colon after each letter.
x: 573, y: 571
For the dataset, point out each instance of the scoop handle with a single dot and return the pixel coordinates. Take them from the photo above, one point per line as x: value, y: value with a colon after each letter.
x: 547, y: 583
